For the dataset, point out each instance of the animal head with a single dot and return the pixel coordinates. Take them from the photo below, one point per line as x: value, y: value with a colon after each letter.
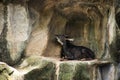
x: 63, y: 38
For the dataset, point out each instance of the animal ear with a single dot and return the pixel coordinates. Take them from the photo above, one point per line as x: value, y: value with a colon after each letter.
x: 70, y: 39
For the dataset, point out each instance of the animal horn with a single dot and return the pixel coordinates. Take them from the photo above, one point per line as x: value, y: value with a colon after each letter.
x: 70, y: 39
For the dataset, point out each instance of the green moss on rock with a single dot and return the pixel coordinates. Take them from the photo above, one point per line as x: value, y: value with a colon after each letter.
x: 81, y: 72
x: 74, y: 71
x: 66, y: 71
x: 45, y: 73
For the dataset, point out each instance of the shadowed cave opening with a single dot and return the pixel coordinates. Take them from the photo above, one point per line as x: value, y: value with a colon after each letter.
x: 77, y: 26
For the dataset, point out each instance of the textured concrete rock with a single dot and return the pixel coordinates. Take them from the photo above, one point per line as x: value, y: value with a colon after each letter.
x: 4, y: 72
x: 1, y: 17
x: 9, y: 73
x: 88, y: 22
x: 4, y: 53
x: 35, y: 68
x: 74, y: 71
x: 85, y: 70
x: 15, y: 31
x: 117, y: 17
x: 18, y: 30
x: 31, y: 26
x: 108, y: 72
x: 47, y: 72
x: 39, y: 36
x: 38, y: 68
x: 43, y: 68
x: 118, y: 72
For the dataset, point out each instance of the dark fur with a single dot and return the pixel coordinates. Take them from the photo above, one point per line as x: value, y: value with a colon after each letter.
x: 73, y: 52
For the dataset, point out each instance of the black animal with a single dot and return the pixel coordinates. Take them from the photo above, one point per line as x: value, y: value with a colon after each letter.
x: 73, y: 52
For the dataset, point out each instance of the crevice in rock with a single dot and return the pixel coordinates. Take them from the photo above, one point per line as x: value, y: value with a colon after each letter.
x: 4, y: 53
x: 117, y: 56
x: 107, y: 71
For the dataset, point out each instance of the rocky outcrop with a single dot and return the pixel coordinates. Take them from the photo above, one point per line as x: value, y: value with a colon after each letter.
x: 27, y: 39
x: 15, y: 31
x: 9, y: 73
x: 42, y: 68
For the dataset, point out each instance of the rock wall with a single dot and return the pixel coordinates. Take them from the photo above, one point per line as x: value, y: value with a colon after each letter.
x: 15, y: 32
x: 27, y: 39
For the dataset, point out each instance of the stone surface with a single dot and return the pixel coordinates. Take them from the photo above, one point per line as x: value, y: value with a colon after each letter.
x: 39, y: 36
x: 29, y: 28
x: 117, y: 17
x: 52, y: 69
x: 44, y: 68
x: 1, y: 17
x: 18, y: 30
x: 118, y: 72
x: 88, y: 23
x: 4, y: 72
x: 4, y: 53
x: 47, y: 72
x: 15, y: 32
x: 9, y: 73
x: 74, y: 71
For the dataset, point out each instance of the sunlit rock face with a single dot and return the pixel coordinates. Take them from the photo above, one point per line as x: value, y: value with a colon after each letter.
x: 18, y: 30
x: 9, y: 73
x: 39, y: 35
x: 15, y: 31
